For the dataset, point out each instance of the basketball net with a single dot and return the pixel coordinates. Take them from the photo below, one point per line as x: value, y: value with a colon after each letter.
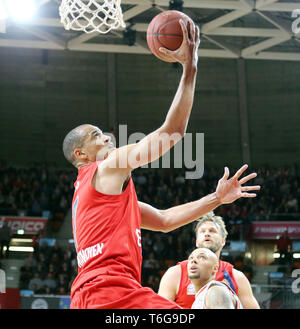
x: 91, y: 15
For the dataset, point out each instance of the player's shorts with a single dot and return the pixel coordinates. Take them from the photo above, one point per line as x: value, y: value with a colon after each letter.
x: 114, y: 292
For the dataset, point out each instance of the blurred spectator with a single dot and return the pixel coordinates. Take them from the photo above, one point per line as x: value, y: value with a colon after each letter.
x: 29, y: 262
x: 26, y: 274
x: 42, y: 270
x: 284, y: 246
x: 53, y: 270
x: 42, y: 258
x: 150, y: 265
x: 50, y: 282
x: 65, y: 269
x: 62, y: 282
x: 159, y: 247
x: 62, y: 291
x: 36, y: 241
x: 35, y: 283
x: 5, y: 236
x: 153, y: 282
x: 47, y: 290
x: 292, y: 204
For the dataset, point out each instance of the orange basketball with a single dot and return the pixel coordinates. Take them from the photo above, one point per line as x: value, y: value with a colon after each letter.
x: 165, y: 31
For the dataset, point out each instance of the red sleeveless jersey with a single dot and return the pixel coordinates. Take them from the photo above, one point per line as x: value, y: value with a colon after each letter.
x: 186, y: 292
x: 106, y: 231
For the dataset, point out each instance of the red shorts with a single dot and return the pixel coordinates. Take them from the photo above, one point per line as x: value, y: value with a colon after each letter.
x: 112, y: 292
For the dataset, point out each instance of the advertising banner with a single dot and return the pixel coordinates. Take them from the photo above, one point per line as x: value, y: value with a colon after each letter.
x: 272, y: 230
x: 45, y: 302
x: 30, y: 225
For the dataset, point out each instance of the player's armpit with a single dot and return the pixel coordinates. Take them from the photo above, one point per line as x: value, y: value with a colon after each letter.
x: 169, y: 283
x: 219, y: 298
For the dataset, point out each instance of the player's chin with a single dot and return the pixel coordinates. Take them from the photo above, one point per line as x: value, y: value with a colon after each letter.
x: 193, y: 275
x: 209, y: 245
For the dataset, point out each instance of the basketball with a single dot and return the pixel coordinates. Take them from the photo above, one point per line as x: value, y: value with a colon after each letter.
x: 165, y: 31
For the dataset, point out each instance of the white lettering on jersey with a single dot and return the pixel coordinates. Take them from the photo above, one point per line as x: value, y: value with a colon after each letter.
x: 77, y: 185
x: 84, y: 255
x: 139, y: 237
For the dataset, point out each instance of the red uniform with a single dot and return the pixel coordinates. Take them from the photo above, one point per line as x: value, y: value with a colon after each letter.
x: 107, y: 237
x: 186, y: 292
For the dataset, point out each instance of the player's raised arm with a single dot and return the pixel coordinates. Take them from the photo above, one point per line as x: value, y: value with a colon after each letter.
x: 157, y: 143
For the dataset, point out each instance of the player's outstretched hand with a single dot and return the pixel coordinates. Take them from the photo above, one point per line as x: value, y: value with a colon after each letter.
x: 229, y: 190
x: 187, y: 53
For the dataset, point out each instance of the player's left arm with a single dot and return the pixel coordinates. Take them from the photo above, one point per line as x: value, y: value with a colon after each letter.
x: 245, y: 293
x: 227, y: 191
x: 169, y: 219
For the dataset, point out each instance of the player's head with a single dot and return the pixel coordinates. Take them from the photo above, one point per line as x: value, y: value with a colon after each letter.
x: 211, y: 232
x: 202, y: 265
x: 85, y: 144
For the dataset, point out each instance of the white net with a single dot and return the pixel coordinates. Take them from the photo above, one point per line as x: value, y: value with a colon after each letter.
x: 91, y: 15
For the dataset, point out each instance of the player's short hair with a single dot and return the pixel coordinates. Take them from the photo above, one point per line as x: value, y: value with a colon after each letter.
x: 73, y: 140
x: 217, y: 220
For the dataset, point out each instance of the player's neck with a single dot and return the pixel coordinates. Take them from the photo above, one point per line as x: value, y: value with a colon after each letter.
x: 200, y: 284
x: 218, y: 253
x: 83, y: 164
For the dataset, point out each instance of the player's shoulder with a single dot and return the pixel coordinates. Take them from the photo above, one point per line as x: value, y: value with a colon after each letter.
x: 182, y: 263
x: 238, y: 275
x: 240, y: 278
x: 225, y: 264
x: 217, y: 285
x: 173, y: 273
x: 217, y: 289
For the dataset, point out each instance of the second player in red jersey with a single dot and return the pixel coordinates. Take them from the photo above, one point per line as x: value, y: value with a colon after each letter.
x: 210, y: 233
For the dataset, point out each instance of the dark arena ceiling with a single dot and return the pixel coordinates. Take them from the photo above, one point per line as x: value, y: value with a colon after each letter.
x: 261, y: 29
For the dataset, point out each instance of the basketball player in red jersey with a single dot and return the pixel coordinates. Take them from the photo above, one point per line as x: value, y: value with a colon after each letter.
x: 106, y: 215
x: 210, y: 294
x: 210, y: 233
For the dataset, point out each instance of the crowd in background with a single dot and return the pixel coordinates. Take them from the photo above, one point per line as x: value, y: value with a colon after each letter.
x: 277, y: 199
x: 49, y: 270
x: 33, y: 190
x: 36, y: 189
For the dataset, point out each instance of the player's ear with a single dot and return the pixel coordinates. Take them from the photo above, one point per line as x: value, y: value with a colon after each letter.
x: 215, y: 269
x: 79, y: 154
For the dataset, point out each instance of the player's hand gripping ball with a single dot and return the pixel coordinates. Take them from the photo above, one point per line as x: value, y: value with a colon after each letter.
x: 165, y: 31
